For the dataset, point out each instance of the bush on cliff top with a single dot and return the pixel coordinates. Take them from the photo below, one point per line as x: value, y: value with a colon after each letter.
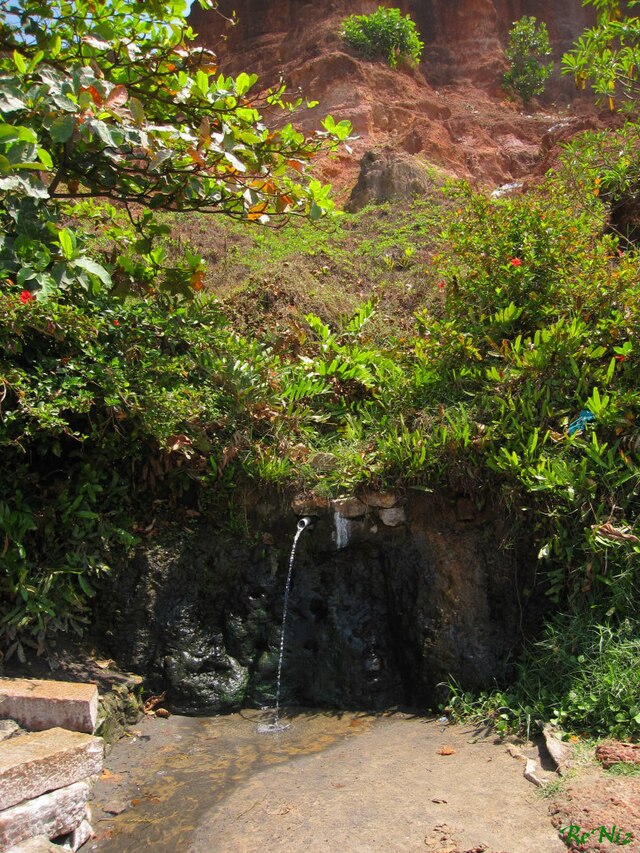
x: 385, y: 33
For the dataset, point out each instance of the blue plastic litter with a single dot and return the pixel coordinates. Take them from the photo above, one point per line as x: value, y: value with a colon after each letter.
x: 583, y: 420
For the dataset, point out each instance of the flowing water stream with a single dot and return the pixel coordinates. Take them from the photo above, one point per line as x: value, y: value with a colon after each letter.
x: 276, y: 725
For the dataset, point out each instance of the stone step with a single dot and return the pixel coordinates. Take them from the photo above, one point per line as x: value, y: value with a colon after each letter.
x: 37, y: 705
x: 51, y: 815
x: 37, y: 762
x: 39, y: 844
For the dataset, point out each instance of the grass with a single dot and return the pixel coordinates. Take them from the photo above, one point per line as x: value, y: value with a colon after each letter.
x: 268, y: 279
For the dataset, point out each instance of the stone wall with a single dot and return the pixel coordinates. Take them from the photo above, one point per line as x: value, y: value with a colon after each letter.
x: 386, y: 603
x: 48, y: 762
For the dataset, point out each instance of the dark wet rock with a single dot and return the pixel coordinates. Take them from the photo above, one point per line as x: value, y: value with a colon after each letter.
x: 380, y: 620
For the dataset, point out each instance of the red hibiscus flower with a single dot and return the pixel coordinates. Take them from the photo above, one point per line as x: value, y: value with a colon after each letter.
x: 515, y: 262
x: 26, y: 296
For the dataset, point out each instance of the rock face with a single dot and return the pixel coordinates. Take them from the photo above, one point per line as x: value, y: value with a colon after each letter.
x: 376, y: 621
x: 463, y: 40
x: 388, y: 176
x: 451, y: 110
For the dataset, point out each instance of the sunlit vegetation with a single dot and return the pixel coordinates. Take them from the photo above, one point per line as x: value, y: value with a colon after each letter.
x: 485, y: 345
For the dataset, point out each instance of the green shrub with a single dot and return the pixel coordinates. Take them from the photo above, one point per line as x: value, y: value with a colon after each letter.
x: 386, y: 33
x: 581, y: 675
x: 526, y: 51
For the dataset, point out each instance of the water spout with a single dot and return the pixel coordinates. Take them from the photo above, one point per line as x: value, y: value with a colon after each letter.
x: 276, y: 725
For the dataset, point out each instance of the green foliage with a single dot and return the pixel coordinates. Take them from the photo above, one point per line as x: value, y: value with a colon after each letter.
x: 582, y: 676
x: 526, y: 51
x: 100, y: 102
x: 608, y: 55
x: 96, y: 401
x: 385, y: 33
x: 606, y: 165
x: 118, y: 409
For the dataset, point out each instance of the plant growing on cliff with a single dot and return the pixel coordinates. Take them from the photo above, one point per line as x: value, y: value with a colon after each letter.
x: 608, y: 55
x: 526, y: 51
x: 385, y: 33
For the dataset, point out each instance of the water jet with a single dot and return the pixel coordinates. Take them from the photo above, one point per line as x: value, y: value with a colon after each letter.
x: 276, y: 725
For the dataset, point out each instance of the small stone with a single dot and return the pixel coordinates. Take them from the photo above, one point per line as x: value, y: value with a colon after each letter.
x: 558, y: 749
x: 349, y: 507
x: 323, y: 461
x: 380, y: 500
x: 8, y: 728
x: 530, y: 774
x: 116, y: 807
x: 393, y: 517
x: 309, y: 505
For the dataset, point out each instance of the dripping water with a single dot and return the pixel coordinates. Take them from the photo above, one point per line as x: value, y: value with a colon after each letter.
x: 343, y: 530
x: 276, y: 725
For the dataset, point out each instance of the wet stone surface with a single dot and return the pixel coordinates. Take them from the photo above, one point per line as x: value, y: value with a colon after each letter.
x: 330, y: 783
x: 379, y: 615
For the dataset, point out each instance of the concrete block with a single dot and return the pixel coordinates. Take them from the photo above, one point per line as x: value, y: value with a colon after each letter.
x: 51, y: 815
x: 37, y: 762
x: 37, y: 705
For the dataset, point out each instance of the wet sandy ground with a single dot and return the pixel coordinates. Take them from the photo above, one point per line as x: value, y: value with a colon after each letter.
x: 333, y: 782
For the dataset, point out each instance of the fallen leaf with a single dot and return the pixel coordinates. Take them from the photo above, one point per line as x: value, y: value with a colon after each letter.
x: 108, y: 776
x: 153, y: 701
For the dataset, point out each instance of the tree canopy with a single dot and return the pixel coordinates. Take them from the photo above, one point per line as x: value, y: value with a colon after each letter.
x: 108, y: 101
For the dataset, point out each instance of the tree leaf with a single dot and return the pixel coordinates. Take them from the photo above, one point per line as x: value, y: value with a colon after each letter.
x: 13, y: 133
x: 95, y: 269
x: 62, y: 128
x: 67, y: 242
x: 20, y: 62
x: 96, y: 41
x: 159, y: 158
x: 117, y: 97
x: 137, y: 111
